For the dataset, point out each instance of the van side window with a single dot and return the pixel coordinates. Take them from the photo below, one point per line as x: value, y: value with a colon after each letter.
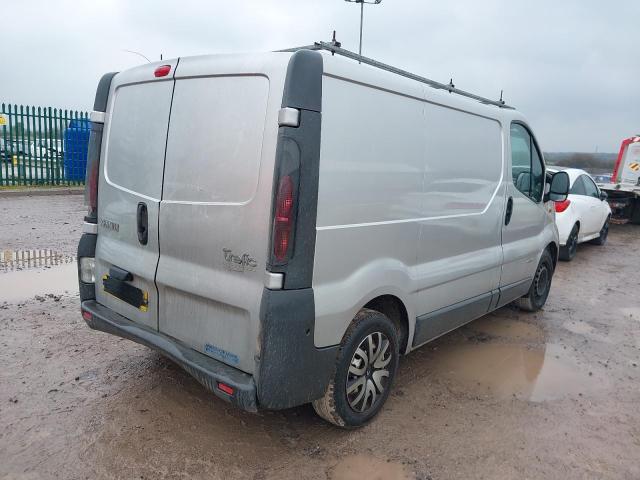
x: 526, y: 163
x: 537, y: 173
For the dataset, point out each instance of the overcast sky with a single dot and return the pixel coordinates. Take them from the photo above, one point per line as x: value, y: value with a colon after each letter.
x: 571, y: 66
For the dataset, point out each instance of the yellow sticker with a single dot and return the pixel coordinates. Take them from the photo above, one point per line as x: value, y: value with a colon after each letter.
x: 3, y: 120
x: 145, y: 306
x: 635, y: 166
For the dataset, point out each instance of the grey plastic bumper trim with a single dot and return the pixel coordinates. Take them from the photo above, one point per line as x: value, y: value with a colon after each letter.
x: 206, y: 370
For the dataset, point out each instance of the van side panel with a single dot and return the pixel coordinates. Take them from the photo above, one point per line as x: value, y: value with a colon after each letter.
x: 410, y: 202
x: 460, y: 251
x: 371, y: 175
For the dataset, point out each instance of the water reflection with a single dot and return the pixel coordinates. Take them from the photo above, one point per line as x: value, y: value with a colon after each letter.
x: 23, y: 259
x: 513, y: 361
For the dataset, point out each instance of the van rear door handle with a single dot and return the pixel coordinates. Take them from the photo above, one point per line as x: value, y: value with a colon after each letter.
x: 507, y: 217
x: 142, y: 219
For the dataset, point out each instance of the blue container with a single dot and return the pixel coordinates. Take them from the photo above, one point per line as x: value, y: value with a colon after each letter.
x: 76, y: 144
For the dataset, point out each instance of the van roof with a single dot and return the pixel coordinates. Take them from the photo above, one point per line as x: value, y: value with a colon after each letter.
x: 370, y: 73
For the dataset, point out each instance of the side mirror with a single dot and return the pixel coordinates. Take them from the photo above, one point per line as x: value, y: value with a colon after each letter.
x: 559, y: 188
x: 603, y: 195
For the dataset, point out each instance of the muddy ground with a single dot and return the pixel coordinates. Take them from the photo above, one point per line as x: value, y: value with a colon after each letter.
x: 513, y: 395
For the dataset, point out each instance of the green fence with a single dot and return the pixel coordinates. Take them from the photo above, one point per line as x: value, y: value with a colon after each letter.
x: 42, y: 146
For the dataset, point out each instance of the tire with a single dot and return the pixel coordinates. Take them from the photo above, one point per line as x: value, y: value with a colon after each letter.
x: 604, y: 233
x: 351, y: 409
x: 535, y: 299
x: 568, y: 251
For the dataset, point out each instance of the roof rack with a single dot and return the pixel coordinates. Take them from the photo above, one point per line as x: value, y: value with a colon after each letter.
x: 335, y: 49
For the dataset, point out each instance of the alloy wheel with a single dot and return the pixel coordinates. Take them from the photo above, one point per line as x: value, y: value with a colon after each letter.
x: 368, y: 372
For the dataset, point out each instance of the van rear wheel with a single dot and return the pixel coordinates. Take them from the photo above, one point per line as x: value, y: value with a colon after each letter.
x: 365, y: 370
x: 535, y: 299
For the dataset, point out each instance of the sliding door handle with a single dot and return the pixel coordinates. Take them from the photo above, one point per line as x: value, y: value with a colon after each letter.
x: 507, y: 217
x: 142, y: 219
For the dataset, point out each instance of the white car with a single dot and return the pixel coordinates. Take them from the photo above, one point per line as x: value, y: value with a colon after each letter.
x: 583, y: 216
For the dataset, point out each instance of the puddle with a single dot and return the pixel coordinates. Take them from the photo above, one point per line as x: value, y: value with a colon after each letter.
x: 506, y: 371
x: 11, y: 260
x: 27, y: 273
x: 357, y: 467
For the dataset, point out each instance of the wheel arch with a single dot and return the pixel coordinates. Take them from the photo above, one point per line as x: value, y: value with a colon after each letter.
x: 395, y: 309
x: 553, y: 249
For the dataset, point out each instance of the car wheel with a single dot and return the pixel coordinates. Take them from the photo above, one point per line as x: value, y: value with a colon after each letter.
x: 568, y: 251
x: 535, y: 299
x: 604, y: 233
x: 365, y: 370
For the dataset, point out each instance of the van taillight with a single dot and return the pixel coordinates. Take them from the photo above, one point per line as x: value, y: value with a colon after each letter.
x: 562, y: 206
x: 92, y: 189
x: 283, y: 219
x: 93, y: 166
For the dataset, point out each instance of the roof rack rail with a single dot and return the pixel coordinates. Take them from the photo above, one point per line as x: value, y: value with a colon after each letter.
x: 335, y: 49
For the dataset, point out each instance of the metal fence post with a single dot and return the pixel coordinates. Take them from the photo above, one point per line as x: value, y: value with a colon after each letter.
x: 42, y: 179
x: 4, y: 154
x: 13, y: 144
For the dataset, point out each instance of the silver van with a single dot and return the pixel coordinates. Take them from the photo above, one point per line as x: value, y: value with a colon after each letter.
x: 285, y: 225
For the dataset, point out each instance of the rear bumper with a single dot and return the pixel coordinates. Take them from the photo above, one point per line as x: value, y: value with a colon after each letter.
x: 206, y: 370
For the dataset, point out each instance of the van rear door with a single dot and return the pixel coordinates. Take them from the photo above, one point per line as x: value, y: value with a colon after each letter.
x: 215, y: 208
x: 129, y: 192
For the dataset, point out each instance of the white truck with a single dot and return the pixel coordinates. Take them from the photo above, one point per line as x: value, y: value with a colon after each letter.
x: 624, y: 187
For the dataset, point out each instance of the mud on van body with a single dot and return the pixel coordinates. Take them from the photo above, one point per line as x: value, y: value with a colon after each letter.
x: 285, y: 225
